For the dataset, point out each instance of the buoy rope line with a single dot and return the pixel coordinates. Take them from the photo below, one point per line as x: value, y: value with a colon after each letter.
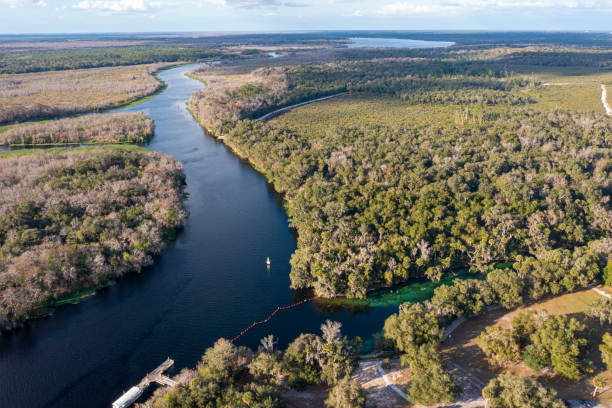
x: 278, y: 309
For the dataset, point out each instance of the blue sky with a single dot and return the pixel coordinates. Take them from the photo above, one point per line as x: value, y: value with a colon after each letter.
x: 47, y: 16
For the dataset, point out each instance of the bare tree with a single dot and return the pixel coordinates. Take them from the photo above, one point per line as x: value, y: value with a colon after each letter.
x: 331, y: 331
x: 267, y: 344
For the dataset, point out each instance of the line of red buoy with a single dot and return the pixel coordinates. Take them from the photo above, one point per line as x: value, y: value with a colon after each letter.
x: 278, y: 309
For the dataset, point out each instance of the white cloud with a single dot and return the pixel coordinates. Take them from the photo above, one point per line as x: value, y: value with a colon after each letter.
x: 412, y: 7
x: 13, y: 3
x: 112, y: 5
x: 123, y: 6
x: 270, y: 3
x: 20, y: 3
x: 357, y: 13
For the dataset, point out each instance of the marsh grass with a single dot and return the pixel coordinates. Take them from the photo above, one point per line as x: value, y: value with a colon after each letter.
x: 44, y: 95
x: 65, y: 149
x: 97, y: 128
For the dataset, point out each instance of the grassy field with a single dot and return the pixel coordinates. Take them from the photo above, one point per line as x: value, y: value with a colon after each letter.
x: 364, y: 109
x: 577, y: 93
x: 57, y: 93
x: 462, y: 348
x: 572, y: 88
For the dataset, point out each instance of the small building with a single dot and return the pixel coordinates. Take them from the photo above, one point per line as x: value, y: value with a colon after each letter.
x: 128, y: 398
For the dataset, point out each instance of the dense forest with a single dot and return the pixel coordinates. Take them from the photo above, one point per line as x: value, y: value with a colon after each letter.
x: 457, y: 75
x: 57, y: 60
x: 416, y: 80
x: 76, y: 219
x: 101, y: 128
x: 237, y: 377
x: 377, y: 200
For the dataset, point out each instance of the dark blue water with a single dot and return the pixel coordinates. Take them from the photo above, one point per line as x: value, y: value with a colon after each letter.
x: 212, y: 282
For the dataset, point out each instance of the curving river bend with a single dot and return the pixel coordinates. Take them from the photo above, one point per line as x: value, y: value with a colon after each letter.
x: 212, y: 282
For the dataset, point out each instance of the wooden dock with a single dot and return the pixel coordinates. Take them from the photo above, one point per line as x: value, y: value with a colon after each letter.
x: 157, y: 376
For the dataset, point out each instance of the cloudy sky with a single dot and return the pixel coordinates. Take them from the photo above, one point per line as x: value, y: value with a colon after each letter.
x: 44, y: 16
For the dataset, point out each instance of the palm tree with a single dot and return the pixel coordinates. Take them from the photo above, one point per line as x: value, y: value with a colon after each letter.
x: 598, y: 381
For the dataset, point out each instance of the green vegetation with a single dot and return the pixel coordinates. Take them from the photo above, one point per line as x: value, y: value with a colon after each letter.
x: 415, y: 81
x: 607, y: 274
x: 413, y: 327
x: 346, y: 394
x: 473, y: 159
x: 599, y: 381
x: 606, y: 350
x: 437, y: 161
x: 562, y: 338
x: 315, y: 360
x: 430, y: 383
x: 511, y: 391
x: 420, y: 183
x: 343, y: 183
x: 231, y: 376
x: 555, y: 341
x: 63, y: 213
x: 602, y: 310
x: 415, y: 332
x: 499, y: 345
x: 57, y: 60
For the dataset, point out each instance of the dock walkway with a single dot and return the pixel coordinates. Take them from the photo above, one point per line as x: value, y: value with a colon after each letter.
x: 158, y: 376
x: 155, y: 376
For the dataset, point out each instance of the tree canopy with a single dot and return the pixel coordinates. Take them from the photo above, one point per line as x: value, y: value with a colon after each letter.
x: 511, y: 391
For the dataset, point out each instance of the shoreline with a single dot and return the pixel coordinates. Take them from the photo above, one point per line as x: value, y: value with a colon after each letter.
x: 48, y: 307
x: 342, y: 300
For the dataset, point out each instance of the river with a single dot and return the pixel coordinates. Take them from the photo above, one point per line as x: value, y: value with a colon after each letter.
x: 212, y: 282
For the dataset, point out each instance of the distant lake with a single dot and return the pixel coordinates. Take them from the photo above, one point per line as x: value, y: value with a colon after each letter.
x: 274, y: 54
x: 396, y: 43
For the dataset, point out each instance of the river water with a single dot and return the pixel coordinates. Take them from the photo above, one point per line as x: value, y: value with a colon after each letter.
x: 212, y: 282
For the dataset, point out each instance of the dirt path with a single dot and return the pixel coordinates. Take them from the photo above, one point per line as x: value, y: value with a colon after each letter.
x: 602, y: 293
x: 384, y: 388
x: 288, y: 108
x: 376, y: 382
x: 604, y: 100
